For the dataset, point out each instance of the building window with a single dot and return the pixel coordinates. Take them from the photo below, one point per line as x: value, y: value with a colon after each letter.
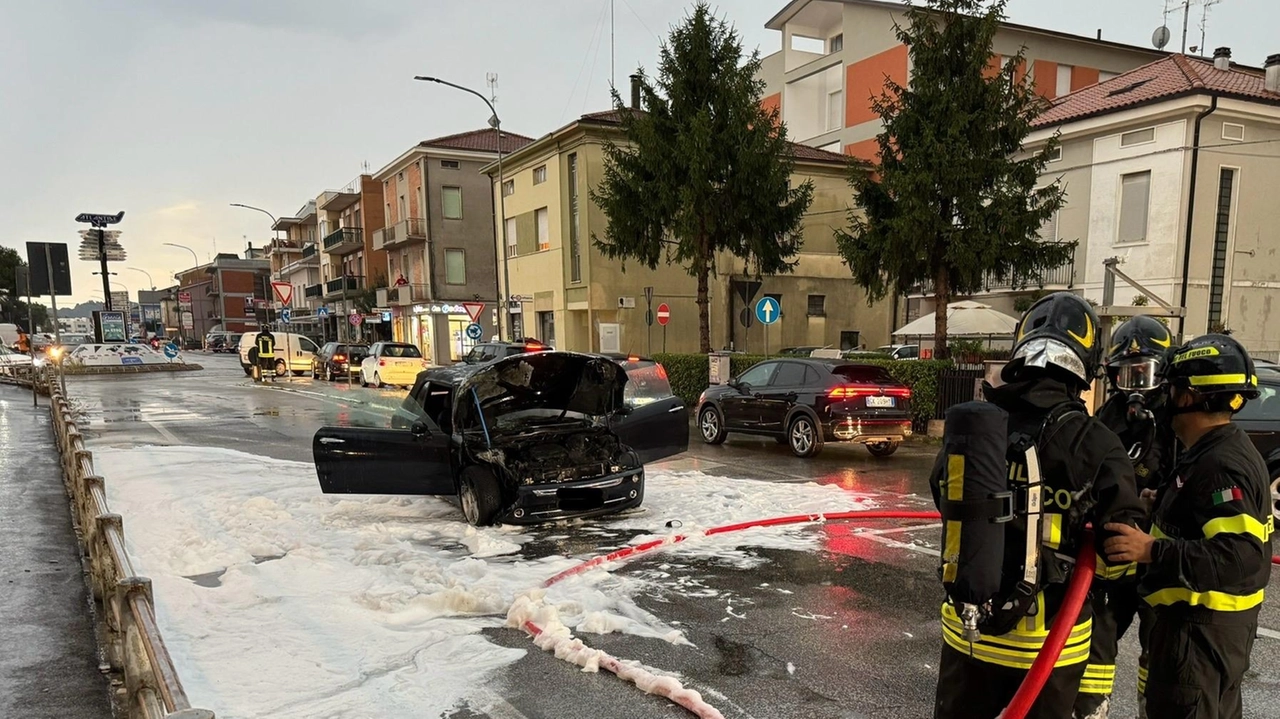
x: 400, y: 176
x: 837, y: 43
x: 1055, y: 154
x: 508, y: 188
x: 1232, y: 131
x: 547, y: 328
x: 544, y: 229
x: 1138, y: 137
x: 1221, y: 234
x: 449, y: 164
x: 455, y: 267
x: 1063, y: 86
x: 817, y: 305
x: 510, y: 232
x: 390, y: 219
x: 575, y: 257
x: 404, y: 209
x: 1049, y: 230
x: 850, y: 340
x: 451, y: 199
x: 1135, y: 201
x: 835, y: 109
x: 539, y: 174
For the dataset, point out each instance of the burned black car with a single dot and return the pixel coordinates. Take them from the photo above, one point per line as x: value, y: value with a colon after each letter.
x: 525, y: 439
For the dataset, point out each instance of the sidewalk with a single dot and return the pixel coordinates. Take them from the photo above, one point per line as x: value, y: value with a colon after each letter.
x: 49, y: 660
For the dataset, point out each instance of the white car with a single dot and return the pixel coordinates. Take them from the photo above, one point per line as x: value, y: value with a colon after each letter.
x: 391, y: 363
x: 10, y: 360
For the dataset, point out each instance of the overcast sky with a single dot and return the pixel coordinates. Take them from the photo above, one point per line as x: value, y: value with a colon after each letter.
x: 171, y: 109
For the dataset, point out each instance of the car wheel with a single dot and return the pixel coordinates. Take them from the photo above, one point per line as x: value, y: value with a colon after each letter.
x: 328, y: 373
x: 315, y: 373
x: 248, y: 371
x: 377, y: 381
x: 281, y: 368
x: 711, y: 425
x: 804, y: 437
x: 882, y: 449
x: 480, y: 496
x: 1275, y: 496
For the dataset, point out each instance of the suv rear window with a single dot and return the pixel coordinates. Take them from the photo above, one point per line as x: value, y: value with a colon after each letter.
x: 864, y: 374
x: 646, y: 382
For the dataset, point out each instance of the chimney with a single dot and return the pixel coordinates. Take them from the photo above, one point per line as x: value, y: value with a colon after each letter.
x: 1273, y: 73
x: 1099, y: 33
x: 635, y: 92
x: 1222, y: 58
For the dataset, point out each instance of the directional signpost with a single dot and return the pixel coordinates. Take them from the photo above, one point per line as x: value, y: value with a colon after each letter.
x: 474, y: 331
x: 286, y: 315
x: 768, y: 312
x: 283, y: 292
x: 171, y: 350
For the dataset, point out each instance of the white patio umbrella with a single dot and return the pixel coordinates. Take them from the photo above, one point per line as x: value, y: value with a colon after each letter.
x: 964, y: 319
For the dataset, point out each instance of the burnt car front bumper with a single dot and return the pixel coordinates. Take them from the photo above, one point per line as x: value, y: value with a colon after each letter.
x: 544, y: 502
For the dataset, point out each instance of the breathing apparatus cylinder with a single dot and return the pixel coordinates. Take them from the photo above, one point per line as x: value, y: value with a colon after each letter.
x: 975, y: 501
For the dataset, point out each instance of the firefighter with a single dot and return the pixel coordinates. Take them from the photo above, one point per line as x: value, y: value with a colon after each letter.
x: 1134, y: 410
x: 1208, y: 556
x: 1087, y: 476
x: 265, y: 343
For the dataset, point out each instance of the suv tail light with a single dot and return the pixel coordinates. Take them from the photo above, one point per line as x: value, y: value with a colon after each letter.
x: 850, y: 391
x: 339, y: 358
x: 382, y: 363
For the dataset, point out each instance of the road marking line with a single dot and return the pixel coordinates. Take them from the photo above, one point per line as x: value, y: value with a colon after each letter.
x: 169, y: 436
x: 1268, y: 633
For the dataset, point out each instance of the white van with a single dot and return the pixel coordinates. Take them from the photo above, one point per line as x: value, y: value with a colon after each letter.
x: 293, y: 352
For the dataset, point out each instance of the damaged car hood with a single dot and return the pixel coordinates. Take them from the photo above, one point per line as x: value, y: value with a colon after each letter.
x: 545, y: 381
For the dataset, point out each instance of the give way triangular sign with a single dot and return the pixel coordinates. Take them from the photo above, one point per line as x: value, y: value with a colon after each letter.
x: 473, y: 309
x: 283, y: 292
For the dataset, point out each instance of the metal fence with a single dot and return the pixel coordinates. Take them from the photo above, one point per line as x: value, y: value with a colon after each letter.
x: 956, y: 385
x: 133, y: 647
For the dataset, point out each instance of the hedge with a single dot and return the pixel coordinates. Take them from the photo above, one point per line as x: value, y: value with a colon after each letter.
x: 689, y: 376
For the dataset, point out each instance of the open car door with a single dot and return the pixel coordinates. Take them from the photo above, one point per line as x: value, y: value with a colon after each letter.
x: 655, y: 430
x: 363, y: 460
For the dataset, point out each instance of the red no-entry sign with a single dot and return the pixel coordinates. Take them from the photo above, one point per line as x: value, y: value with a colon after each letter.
x: 664, y: 314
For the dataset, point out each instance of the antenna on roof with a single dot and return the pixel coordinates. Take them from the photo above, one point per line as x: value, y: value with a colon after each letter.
x: 1204, y: 21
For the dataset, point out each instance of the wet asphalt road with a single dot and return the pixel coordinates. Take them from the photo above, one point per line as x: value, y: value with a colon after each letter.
x: 849, y: 631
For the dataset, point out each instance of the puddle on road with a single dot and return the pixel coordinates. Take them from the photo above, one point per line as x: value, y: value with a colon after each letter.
x: 738, y: 659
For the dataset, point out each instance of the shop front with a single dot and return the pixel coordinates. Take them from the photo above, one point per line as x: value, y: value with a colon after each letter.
x: 439, y: 329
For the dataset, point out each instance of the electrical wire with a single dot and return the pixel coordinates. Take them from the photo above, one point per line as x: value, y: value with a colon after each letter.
x: 590, y: 43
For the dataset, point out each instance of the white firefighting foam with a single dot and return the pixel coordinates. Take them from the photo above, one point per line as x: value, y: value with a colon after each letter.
x: 279, y: 601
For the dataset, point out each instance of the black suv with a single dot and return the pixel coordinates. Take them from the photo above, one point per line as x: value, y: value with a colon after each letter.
x: 806, y: 402
x: 1260, y: 419
x: 337, y: 359
x: 489, y: 351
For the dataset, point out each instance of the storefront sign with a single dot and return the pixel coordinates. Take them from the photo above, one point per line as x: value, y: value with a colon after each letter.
x: 439, y: 309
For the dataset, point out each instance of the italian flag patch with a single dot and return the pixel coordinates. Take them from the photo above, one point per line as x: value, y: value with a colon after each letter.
x: 1231, y: 494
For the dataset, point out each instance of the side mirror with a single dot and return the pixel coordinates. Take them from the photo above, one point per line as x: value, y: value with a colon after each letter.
x: 743, y: 387
x: 419, y: 428
x: 733, y: 382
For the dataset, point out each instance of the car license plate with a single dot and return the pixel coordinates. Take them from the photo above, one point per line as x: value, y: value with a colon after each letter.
x: 879, y: 401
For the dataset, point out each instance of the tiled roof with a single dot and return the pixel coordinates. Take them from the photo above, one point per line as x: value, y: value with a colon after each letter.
x: 485, y: 140
x: 1164, y: 79
x: 798, y: 151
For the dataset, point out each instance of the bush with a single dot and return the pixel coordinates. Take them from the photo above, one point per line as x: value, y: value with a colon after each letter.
x: 688, y: 374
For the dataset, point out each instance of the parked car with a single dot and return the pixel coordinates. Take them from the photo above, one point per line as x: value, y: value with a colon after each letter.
x: 900, y: 352
x: 336, y: 359
x: 489, y: 351
x: 391, y: 363
x: 1260, y: 419
x: 11, y: 361
x: 217, y: 344
x: 798, y: 351
x: 805, y: 403
x: 294, y: 352
x: 522, y: 439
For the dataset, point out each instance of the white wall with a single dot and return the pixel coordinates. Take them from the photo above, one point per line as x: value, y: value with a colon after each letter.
x: 1155, y: 262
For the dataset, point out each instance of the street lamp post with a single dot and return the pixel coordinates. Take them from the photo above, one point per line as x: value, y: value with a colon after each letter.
x: 195, y: 257
x: 496, y: 123
x: 148, y: 274
x: 259, y: 209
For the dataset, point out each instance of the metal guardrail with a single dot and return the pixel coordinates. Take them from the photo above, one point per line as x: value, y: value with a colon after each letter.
x: 133, y: 647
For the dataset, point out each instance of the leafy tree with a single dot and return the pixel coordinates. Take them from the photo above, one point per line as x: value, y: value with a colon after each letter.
x: 12, y: 307
x: 705, y: 169
x: 952, y: 198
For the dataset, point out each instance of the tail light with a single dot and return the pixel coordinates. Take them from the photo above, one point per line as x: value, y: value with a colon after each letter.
x: 850, y: 391
x: 662, y: 371
x: 632, y: 358
x: 339, y: 358
x: 382, y: 363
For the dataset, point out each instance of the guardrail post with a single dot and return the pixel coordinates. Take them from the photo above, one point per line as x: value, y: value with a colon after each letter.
x: 104, y: 573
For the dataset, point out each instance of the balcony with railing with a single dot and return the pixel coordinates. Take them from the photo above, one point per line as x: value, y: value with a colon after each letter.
x: 403, y: 232
x: 344, y: 240
x: 407, y: 294
x: 310, y: 291
x: 1059, y: 277
x: 343, y: 285
x: 309, y: 250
